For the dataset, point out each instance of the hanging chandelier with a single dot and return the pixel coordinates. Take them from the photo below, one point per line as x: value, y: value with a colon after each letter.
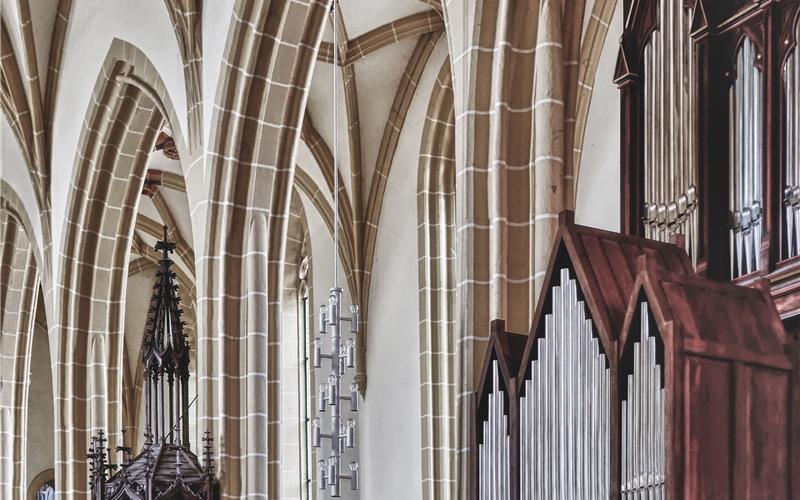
x: 342, y: 431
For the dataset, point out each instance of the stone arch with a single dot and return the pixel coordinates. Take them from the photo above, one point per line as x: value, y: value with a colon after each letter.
x: 96, y: 380
x: 523, y: 76
x: 250, y: 165
x: 11, y: 203
x: 22, y: 107
x: 20, y: 298
x: 126, y: 112
x: 7, y: 452
x: 436, y: 242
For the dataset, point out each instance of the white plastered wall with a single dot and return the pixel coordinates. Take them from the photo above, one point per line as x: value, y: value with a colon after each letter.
x: 598, y: 196
x: 14, y: 171
x: 391, y: 450
x: 40, y: 435
x: 216, y: 22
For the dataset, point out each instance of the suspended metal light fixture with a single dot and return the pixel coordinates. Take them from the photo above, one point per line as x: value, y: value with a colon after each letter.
x: 330, y: 399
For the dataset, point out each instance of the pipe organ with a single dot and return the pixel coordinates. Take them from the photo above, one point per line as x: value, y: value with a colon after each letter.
x: 710, y: 122
x: 494, y: 450
x: 670, y: 93
x: 642, y: 419
x: 746, y: 162
x: 564, y: 412
x: 791, y: 190
x: 639, y: 379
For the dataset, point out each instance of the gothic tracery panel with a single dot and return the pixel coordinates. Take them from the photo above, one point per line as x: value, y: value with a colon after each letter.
x: 670, y: 95
x: 746, y: 161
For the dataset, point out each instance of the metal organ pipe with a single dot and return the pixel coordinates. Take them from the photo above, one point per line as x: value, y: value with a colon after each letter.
x: 670, y: 175
x: 494, y: 469
x: 642, y: 418
x: 791, y: 199
x: 564, y: 413
x: 746, y: 162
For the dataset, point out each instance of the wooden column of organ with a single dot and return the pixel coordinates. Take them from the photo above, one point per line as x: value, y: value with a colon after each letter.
x: 634, y: 374
x: 733, y: 128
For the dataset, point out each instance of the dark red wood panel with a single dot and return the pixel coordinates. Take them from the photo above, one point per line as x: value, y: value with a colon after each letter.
x: 765, y: 434
x: 707, y: 469
x: 732, y: 399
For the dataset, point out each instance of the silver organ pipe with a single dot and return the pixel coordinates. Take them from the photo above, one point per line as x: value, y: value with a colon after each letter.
x: 564, y: 414
x: 494, y: 451
x: 642, y: 418
x: 746, y: 162
x: 791, y: 198
x: 670, y: 173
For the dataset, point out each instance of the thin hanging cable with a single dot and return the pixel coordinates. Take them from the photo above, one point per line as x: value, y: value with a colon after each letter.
x: 335, y: 148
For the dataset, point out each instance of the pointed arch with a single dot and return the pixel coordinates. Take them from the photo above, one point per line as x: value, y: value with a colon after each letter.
x: 250, y: 166
x: 20, y: 292
x: 436, y: 179
x: 121, y: 124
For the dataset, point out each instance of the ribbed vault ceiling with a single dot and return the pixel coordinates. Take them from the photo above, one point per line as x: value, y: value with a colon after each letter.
x: 383, y: 49
x: 376, y: 44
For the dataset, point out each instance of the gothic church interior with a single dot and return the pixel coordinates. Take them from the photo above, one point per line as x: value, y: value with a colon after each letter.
x: 399, y: 249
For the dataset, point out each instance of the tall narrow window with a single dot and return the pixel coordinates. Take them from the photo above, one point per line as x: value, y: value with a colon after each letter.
x: 670, y: 158
x: 791, y: 191
x: 746, y: 161
x: 297, y: 458
x: 304, y: 388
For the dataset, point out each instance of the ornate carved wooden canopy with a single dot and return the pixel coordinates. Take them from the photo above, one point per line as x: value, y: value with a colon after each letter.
x: 166, y: 468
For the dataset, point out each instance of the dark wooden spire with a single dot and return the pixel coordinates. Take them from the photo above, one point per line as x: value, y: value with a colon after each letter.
x: 166, y: 356
x: 166, y: 468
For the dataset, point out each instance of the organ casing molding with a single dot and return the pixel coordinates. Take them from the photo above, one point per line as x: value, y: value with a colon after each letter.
x: 639, y: 378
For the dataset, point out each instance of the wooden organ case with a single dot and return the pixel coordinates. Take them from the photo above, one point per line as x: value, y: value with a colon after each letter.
x: 705, y: 391
x: 636, y: 375
x: 720, y: 113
